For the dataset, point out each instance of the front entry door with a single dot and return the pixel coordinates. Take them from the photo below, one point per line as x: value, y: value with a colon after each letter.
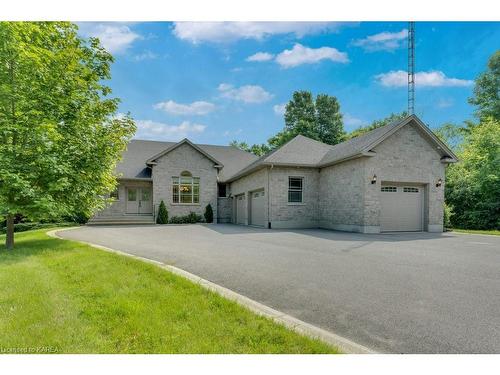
x: 139, y: 201
x: 145, y: 201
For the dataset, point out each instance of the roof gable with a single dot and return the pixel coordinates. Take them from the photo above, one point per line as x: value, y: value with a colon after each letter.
x: 152, y: 160
x: 364, y: 144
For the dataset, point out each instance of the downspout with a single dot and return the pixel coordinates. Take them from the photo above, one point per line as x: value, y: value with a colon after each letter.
x: 269, y: 199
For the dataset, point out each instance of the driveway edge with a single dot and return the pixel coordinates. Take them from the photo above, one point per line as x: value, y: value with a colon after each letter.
x: 297, y: 325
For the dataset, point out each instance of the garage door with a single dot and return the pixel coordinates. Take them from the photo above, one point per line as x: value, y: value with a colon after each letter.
x: 257, y: 208
x: 240, y: 209
x: 401, y: 208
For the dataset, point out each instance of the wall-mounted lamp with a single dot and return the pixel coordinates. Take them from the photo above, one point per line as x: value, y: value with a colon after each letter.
x: 374, y: 179
x: 439, y: 183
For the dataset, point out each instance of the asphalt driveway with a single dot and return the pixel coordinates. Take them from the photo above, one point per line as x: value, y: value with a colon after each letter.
x: 400, y: 293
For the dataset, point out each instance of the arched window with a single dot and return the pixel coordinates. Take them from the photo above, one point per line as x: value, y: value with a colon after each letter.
x: 186, y: 188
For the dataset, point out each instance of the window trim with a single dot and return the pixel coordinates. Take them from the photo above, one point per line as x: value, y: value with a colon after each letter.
x: 389, y: 189
x: 177, y: 181
x: 301, y: 190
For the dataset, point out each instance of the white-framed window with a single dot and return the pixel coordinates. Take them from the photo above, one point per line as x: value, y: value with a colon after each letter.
x: 389, y: 189
x: 295, y: 189
x: 186, y: 188
x: 407, y: 189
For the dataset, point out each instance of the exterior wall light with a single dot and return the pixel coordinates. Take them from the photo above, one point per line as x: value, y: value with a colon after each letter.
x: 374, y: 179
x: 439, y: 183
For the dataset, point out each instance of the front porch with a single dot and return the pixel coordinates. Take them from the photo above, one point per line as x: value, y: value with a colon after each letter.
x: 133, y: 204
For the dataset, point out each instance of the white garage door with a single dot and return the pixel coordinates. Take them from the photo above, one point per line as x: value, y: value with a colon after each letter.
x: 240, y: 209
x: 257, y: 208
x: 401, y: 208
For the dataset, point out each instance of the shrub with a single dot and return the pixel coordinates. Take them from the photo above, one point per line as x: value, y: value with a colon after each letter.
x: 209, y: 214
x: 187, y: 219
x: 162, y: 217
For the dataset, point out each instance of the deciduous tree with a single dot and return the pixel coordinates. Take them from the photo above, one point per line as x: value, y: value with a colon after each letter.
x: 59, y: 136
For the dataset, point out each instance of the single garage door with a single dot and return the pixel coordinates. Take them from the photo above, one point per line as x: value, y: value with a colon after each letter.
x: 401, y: 208
x: 240, y: 209
x: 257, y: 208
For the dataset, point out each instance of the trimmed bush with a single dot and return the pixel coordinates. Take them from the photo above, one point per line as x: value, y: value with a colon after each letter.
x: 162, y: 217
x: 192, y: 218
x: 209, y: 214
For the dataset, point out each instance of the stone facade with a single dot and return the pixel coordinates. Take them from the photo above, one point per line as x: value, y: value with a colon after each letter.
x: 184, y: 158
x: 341, y: 189
x: 224, y: 210
x: 406, y: 156
x: 293, y: 215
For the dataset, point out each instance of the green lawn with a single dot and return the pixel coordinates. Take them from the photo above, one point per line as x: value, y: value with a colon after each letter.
x: 492, y: 232
x: 73, y: 298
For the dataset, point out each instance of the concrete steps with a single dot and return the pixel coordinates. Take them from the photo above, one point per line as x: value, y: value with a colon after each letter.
x: 122, y: 220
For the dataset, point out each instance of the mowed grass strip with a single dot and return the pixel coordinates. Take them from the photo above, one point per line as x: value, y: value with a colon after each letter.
x: 490, y: 232
x: 78, y: 299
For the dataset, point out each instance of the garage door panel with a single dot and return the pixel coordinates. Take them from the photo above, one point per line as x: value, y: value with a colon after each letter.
x: 257, y: 208
x: 401, y: 208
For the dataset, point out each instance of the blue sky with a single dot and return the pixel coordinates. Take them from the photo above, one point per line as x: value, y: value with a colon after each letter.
x: 215, y: 82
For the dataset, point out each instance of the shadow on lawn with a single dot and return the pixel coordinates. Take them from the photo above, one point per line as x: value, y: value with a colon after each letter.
x: 27, y: 246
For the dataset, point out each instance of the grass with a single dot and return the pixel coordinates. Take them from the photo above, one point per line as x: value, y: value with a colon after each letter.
x: 491, y: 232
x: 66, y: 297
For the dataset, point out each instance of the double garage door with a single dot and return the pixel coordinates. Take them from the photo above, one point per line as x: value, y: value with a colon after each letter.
x: 401, y: 208
x: 256, y: 208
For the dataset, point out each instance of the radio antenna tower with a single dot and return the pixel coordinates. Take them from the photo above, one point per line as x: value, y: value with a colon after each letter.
x: 411, y: 68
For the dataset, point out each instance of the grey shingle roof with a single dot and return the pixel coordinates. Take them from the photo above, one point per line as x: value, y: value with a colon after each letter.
x: 300, y: 151
x: 133, y: 163
x: 356, y: 145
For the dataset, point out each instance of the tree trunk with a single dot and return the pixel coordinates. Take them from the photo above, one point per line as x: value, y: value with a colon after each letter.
x: 9, y: 241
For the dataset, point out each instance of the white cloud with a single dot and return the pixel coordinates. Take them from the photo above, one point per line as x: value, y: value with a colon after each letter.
x: 436, y: 78
x: 444, y: 103
x: 231, y: 133
x: 195, y: 108
x: 279, y: 109
x: 299, y: 55
x: 223, y: 32
x: 147, y: 129
x: 352, y: 121
x: 261, y: 56
x: 385, y: 41
x: 246, y: 94
x: 115, y: 38
x: 146, y: 55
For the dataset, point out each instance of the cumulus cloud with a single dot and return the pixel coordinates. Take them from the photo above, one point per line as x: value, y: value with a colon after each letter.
x: 147, y: 129
x: 436, y: 78
x: 299, y: 55
x: 260, y: 56
x: 115, y: 38
x: 351, y: 121
x: 385, y: 41
x: 195, y: 108
x: 246, y: 94
x: 146, y: 55
x: 223, y: 32
x: 279, y: 109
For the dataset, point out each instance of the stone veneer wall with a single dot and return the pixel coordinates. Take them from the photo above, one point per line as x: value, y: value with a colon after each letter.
x: 293, y: 215
x: 184, y: 158
x: 406, y: 156
x: 224, y: 210
x: 341, y: 196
